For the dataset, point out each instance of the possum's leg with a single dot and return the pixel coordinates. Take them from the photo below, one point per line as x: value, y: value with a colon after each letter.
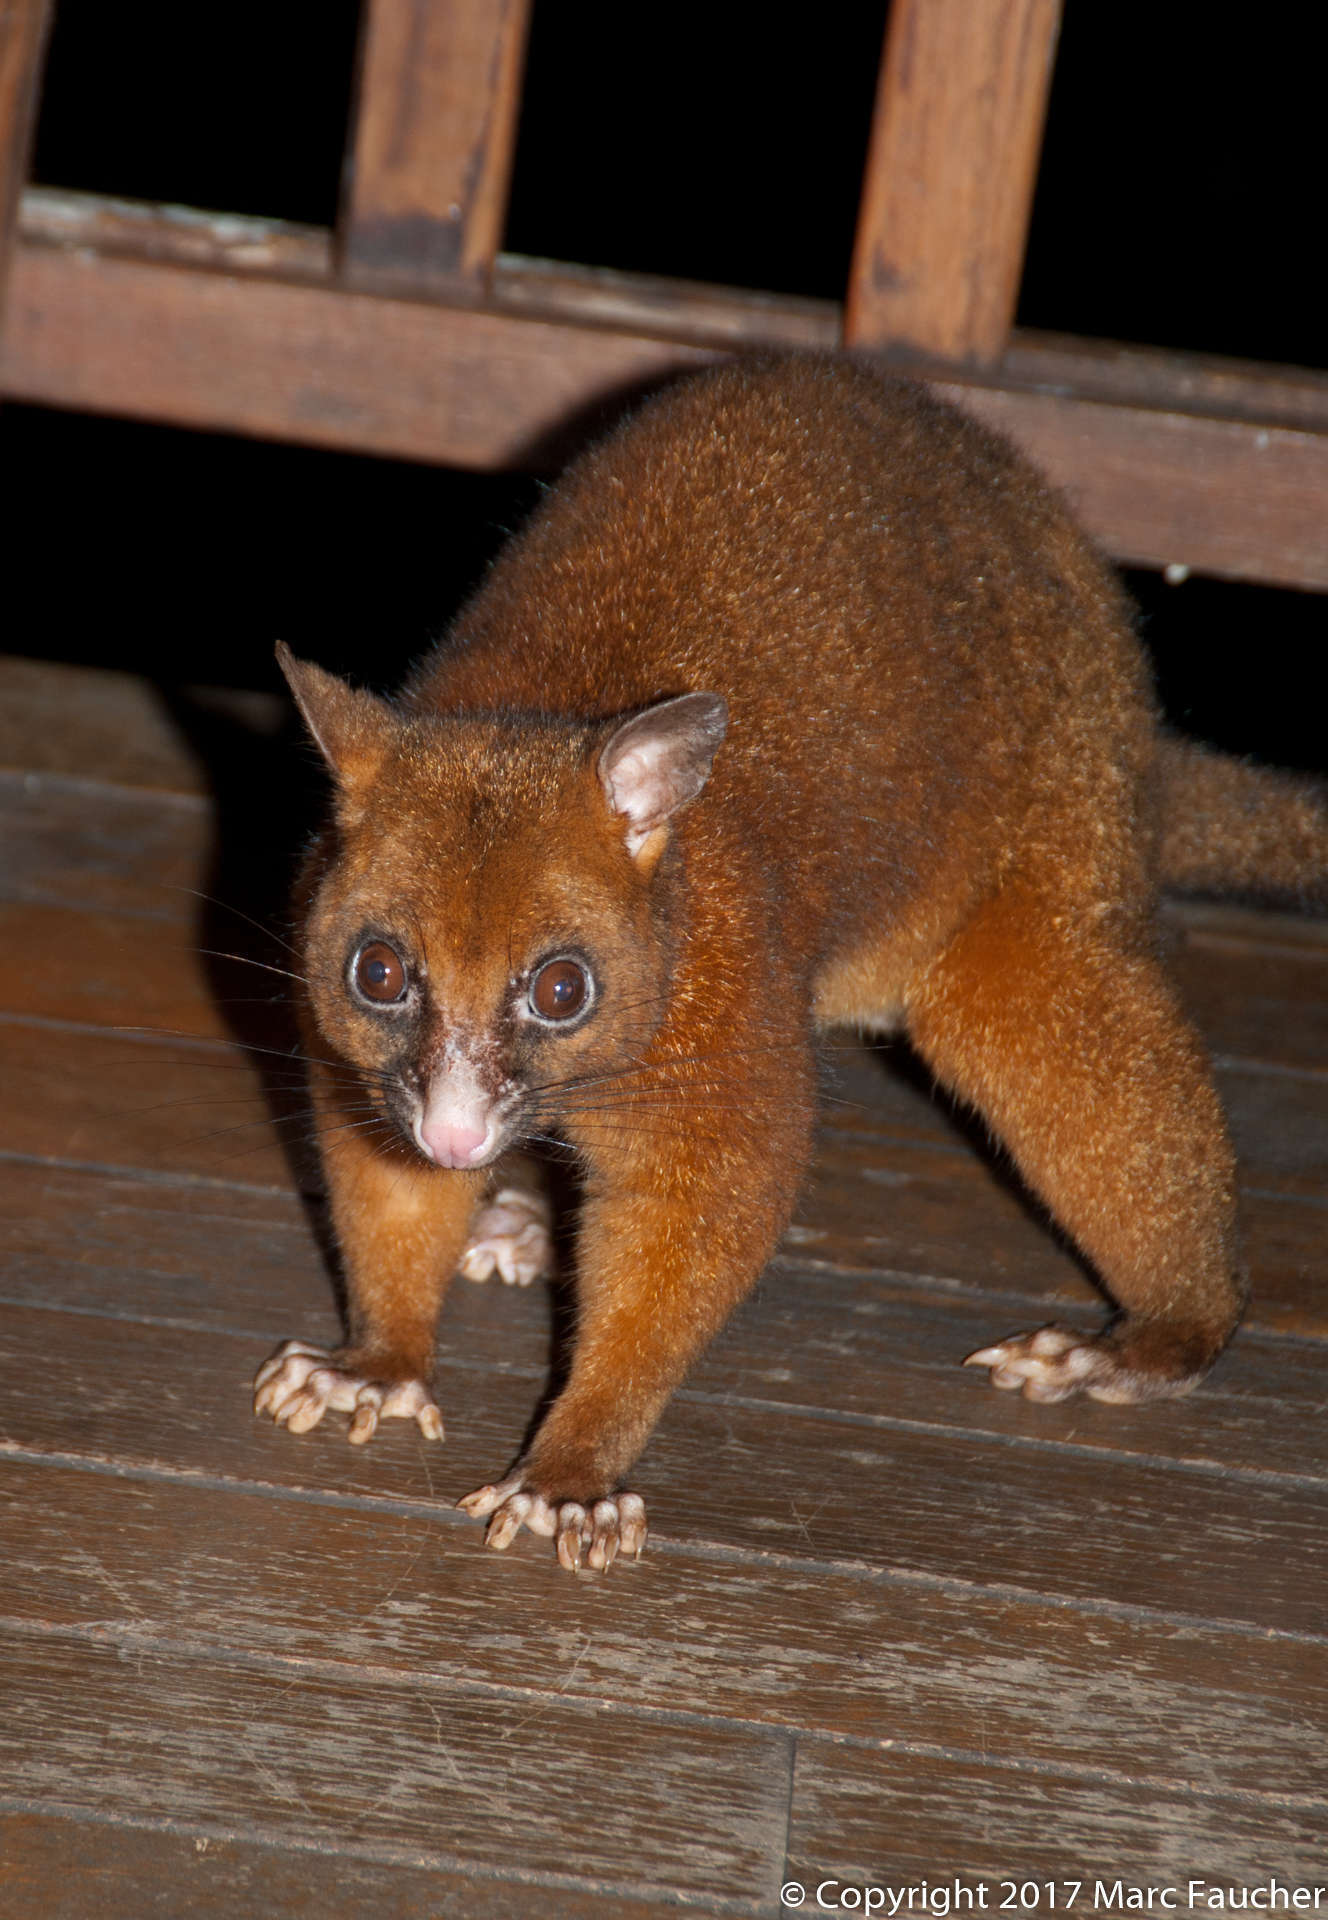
x: 1067, y: 1038
x: 401, y: 1226
x: 684, y: 1204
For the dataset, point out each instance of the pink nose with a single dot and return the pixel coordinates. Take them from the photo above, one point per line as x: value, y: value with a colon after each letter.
x: 452, y: 1146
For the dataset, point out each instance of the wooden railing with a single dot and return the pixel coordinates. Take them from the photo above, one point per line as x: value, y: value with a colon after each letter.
x: 406, y: 331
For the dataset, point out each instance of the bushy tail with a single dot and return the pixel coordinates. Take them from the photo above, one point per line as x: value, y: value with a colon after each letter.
x: 1227, y: 826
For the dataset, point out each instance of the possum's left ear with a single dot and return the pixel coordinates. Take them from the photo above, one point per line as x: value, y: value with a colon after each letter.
x: 658, y: 761
x: 352, y: 730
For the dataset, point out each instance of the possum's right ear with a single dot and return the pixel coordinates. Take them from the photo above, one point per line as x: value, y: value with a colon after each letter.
x: 352, y: 730
x: 656, y: 762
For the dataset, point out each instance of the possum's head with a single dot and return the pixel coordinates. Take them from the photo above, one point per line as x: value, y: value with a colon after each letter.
x: 489, y: 940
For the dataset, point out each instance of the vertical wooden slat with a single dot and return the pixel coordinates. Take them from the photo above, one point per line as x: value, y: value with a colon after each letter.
x: 950, y: 175
x: 432, y: 149
x: 23, y: 27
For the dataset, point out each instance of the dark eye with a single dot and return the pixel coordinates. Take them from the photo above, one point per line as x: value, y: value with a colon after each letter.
x: 560, y: 990
x: 380, y: 974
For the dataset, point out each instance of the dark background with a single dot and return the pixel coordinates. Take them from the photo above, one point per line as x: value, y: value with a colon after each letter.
x: 1180, y: 194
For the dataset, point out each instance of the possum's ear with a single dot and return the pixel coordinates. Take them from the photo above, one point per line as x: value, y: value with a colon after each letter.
x: 353, y: 731
x: 658, y: 761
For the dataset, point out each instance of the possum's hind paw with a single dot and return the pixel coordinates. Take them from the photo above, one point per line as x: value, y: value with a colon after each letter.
x: 592, y: 1535
x: 1051, y: 1364
x: 1138, y: 1362
x: 299, y: 1383
x: 511, y: 1237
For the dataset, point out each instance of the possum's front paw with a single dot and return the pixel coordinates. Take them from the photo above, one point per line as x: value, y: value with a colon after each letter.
x: 299, y: 1383
x: 1123, y: 1366
x: 511, y: 1236
x: 593, y: 1534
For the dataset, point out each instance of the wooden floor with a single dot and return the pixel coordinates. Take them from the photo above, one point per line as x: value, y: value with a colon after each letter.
x: 891, y: 1626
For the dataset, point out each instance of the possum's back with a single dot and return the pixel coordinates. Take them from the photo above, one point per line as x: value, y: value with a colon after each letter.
x: 896, y: 609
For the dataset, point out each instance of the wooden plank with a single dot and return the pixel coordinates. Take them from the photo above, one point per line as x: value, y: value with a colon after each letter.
x: 868, y: 1346
x: 203, y: 1112
x: 1284, y: 1247
x: 64, y: 1868
x: 959, y: 1221
x: 729, y: 318
x: 1066, y: 364
x: 886, y: 1193
x: 1255, y: 981
x: 24, y: 25
x: 110, y: 970
x: 1256, y: 1002
x: 1256, y: 984
x: 825, y: 1650
x: 886, y: 1351
x: 1037, y: 1516
x: 595, y: 296
x: 89, y: 723
x: 354, y: 370
x: 164, y: 1107
x: 1163, y: 488
x: 435, y: 129
x: 163, y: 978
x: 1032, y: 1515
x: 1277, y: 1122
x: 114, y: 851
x: 1252, y: 1002
x: 872, y: 1818
x: 951, y: 169
x: 1135, y: 376
x: 239, y: 243
x: 480, y: 389
x: 427, y: 1774
x: 1218, y: 923
x: 883, y: 1349
x: 241, y: 1260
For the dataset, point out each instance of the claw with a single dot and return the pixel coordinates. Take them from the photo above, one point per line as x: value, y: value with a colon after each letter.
x: 364, y: 1420
x: 593, y: 1537
x: 1050, y: 1365
x: 505, y: 1525
x: 631, y: 1524
x: 511, y: 1237
x: 485, y: 1500
x: 571, y: 1526
x: 298, y: 1384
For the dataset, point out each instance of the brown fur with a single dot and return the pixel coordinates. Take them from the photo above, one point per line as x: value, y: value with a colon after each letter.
x: 936, y: 809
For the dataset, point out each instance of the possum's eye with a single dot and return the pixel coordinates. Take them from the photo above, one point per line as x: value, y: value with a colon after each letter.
x: 378, y: 974
x: 560, y: 991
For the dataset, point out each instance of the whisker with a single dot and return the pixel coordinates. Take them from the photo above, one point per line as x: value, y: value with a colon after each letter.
x: 294, y: 1053
x: 669, y: 1063
x: 307, y: 1136
x: 226, y: 907
x: 244, y: 960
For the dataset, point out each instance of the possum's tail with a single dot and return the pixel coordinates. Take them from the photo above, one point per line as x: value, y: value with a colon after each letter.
x: 1227, y: 826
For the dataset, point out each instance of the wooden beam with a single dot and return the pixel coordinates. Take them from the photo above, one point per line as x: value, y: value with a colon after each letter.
x: 1164, y: 489
x: 23, y: 28
x: 724, y: 318
x: 1202, y: 383
x: 439, y: 89
x: 183, y: 236
x: 727, y: 318
x: 463, y: 387
x: 951, y: 170
x: 478, y: 388
x: 545, y: 289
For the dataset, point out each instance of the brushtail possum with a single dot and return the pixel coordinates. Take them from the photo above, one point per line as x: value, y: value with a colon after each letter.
x: 800, y: 702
